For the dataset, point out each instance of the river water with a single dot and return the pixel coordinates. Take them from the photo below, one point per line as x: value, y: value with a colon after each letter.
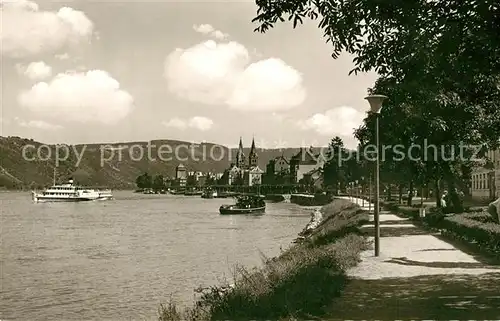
x: 119, y: 259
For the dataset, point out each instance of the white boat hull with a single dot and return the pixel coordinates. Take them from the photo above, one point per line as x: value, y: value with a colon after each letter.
x: 44, y: 198
x: 68, y: 193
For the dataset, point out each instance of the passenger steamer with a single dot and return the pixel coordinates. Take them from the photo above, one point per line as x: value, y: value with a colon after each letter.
x: 71, y: 193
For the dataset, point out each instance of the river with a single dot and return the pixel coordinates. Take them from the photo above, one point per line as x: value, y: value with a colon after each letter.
x: 119, y: 259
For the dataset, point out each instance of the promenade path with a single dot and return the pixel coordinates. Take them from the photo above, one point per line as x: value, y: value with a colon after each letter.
x: 418, y: 275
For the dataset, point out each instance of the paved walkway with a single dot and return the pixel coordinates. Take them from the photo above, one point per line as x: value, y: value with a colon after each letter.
x: 418, y: 275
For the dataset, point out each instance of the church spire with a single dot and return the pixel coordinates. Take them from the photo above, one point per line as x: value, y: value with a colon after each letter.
x: 252, y: 156
x: 240, y: 147
x: 240, y: 156
x: 252, y: 149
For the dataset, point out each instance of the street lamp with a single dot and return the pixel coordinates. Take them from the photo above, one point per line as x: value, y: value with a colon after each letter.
x: 375, y: 102
x: 370, y: 191
x: 357, y: 191
x: 362, y: 191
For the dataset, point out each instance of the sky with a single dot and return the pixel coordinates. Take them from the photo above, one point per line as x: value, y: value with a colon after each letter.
x: 104, y: 72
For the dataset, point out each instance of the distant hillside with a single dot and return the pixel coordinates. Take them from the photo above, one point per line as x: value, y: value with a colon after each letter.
x: 122, y: 162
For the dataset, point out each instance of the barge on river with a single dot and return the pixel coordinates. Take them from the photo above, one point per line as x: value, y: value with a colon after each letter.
x: 246, y: 204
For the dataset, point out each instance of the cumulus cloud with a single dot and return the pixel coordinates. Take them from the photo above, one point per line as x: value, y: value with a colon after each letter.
x: 222, y: 73
x: 35, y: 70
x: 207, y: 29
x: 92, y: 96
x: 39, y: 124
x: 341, y: 121
x: 201, y: 123
x: 175, y: 123
x: 196, y: 122
x: 28, y: 31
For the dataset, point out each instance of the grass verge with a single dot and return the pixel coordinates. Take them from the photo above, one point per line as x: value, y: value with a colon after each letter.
x: 300, y: 283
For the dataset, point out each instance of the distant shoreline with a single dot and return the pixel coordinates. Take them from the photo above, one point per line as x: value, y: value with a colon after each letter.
x: 27, y: 189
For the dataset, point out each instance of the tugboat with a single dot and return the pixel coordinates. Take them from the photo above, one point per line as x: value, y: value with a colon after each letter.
x: 247, y: 204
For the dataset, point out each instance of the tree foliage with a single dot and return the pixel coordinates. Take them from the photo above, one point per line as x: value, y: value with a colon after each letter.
x: 210, y: 180
x: 400, y: 38
x: 342, y: 166
x: 158, y: 183
x: 333, y: 175
x: 444, y: 55
x: 439, y: 64
x: 191, y: 181
x: 144, y: 181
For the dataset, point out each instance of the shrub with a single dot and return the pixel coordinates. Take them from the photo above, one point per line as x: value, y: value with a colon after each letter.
x: 435, y: 217
x: 322, y: 199
x: 170, y: 312
x: 482, y: 216
x: 487, y: 234
x: 391, y: 206
x: 410, y: 212
x: 335, y: 227
x: 336, y: 207
x: 301, y: 282
x: 474, y: 209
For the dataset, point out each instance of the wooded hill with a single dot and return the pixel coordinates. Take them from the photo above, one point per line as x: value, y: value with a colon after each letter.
x: 120, y: 172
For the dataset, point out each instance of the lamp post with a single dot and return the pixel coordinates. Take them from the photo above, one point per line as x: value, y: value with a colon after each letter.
x: 375, y: 102
x: 370, y: 193
x: 357, y: 192
x: 362, y: 191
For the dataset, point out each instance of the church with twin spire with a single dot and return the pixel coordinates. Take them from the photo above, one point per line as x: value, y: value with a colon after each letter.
x: 245, y: 171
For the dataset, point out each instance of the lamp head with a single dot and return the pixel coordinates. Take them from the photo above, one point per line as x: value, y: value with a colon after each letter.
x: 375, y: 102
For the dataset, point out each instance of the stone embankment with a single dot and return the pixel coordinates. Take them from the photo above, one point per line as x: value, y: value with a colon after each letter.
x: 316, y: 219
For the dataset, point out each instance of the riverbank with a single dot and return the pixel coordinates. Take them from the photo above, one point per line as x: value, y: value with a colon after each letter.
x: 302, y: 282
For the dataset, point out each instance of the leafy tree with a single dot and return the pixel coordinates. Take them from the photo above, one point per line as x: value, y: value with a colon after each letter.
x: 281, y: 177
x: 352, y: 168
x: 144, y: 181
x: 158, y: 183
x: 210, y: 180
x: 191, y: 181
x: 332, y: 170
x: 429, y: 150
x: 342, y: 166
x: 437, y: 61
x: 453, y: 43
